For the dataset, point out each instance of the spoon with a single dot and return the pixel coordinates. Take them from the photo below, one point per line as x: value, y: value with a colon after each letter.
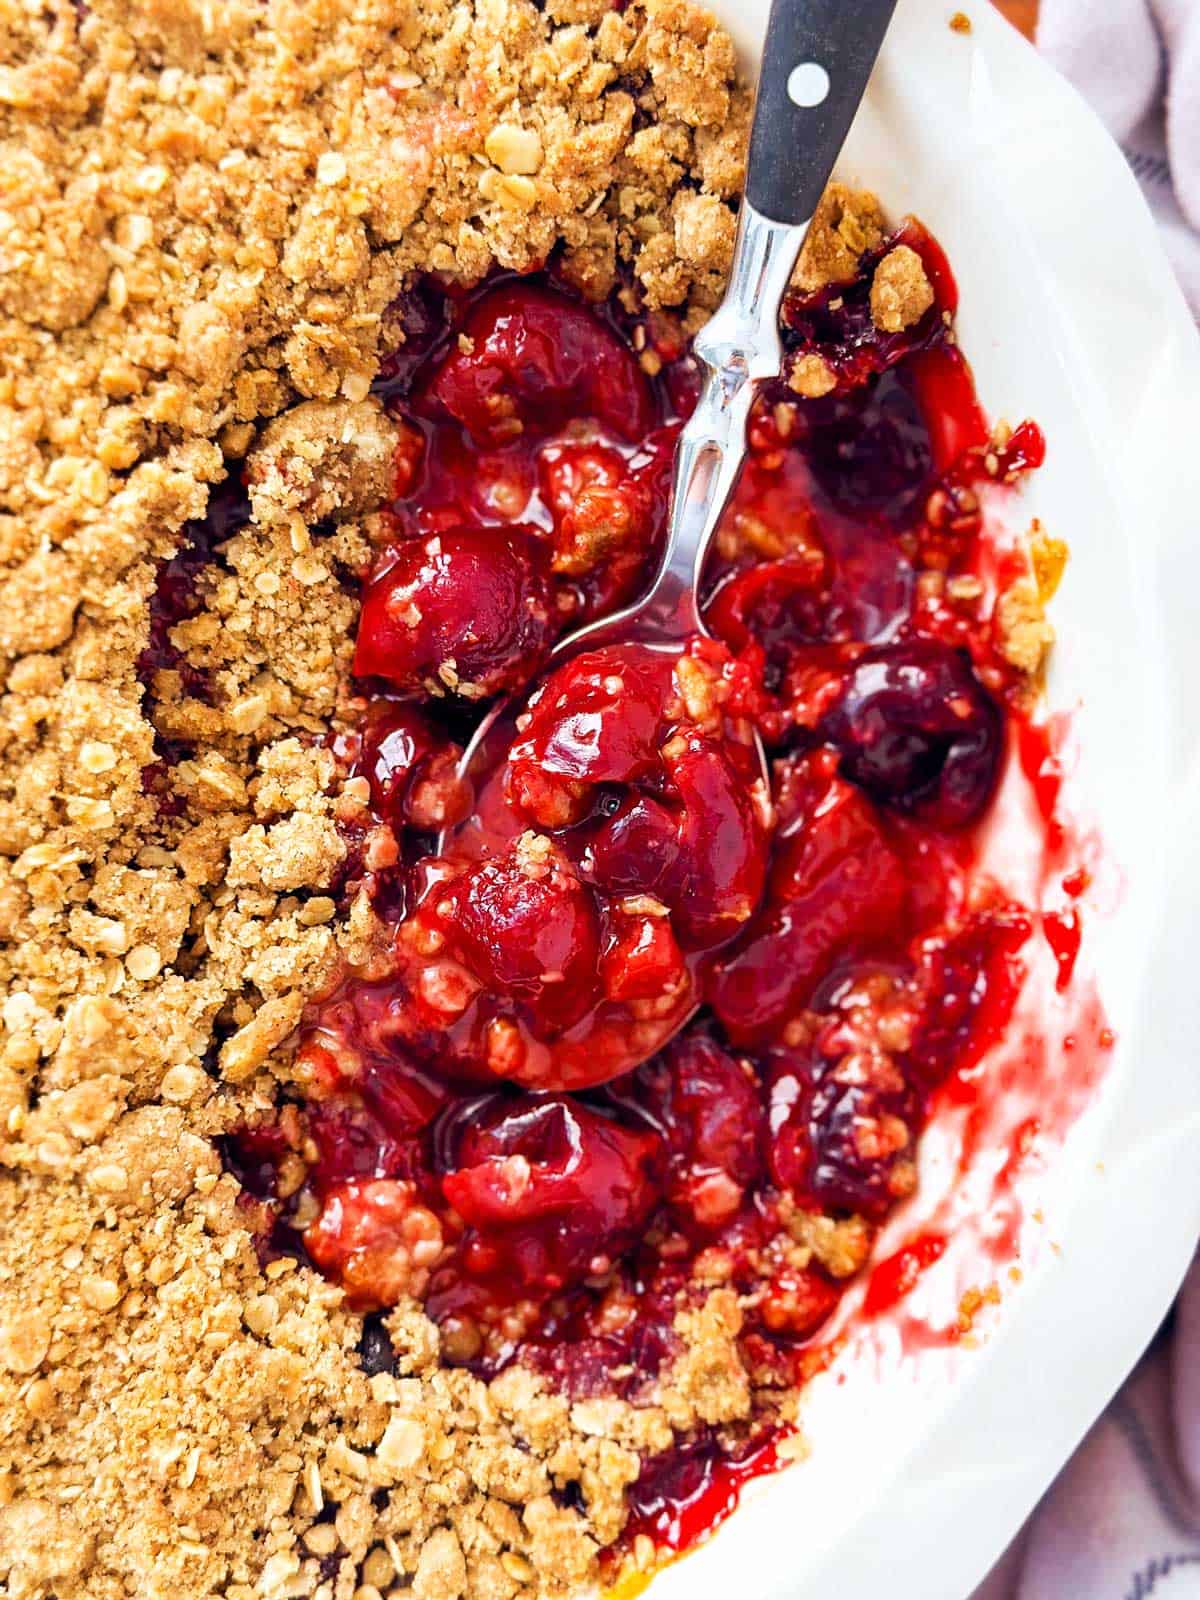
x: 816, y: 62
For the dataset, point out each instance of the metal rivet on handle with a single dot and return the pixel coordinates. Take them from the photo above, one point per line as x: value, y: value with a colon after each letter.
x: 808, y: 84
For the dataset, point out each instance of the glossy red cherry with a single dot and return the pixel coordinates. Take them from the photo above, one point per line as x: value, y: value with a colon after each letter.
x: 603, y: 719
x: 919, y: 732
x: 552, y: 1192
x: 634, y: 847
x: 837, y: 887
x: 871, y: 451
x: 372, y: 1037
x: 643, y: 961
x: 598, y: 719
x: 466, y: 610
x: 945, y: 391
x: 403, y: 1096
x: 707, y: 1106
x: 841, y: 1132
x: 352, y: 1143
x: 532, y: 358
x: 411, y: 767
x: 527, y: 929
x: 718, y: 875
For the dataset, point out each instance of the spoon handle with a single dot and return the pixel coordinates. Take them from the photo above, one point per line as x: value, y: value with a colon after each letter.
x: 816, y: 62
x: 816, y: 50
x: 737, y: 348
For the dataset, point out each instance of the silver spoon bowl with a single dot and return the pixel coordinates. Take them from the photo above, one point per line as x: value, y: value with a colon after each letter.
x: 738, y: 348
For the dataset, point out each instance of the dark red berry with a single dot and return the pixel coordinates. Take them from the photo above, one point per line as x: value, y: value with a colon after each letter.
x: 837, y: 886
x: 552, y: 1192
x: 464, y: 611
x: 531, y: 358
x: 918, y: 731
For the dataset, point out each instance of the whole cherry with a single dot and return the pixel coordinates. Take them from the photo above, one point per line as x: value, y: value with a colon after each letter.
x: 532, y: 358
x: 551, y: 1191
x: 837, y: 886
x: 918, y: 731
x: 707, y: 1106
x: 466, y: 611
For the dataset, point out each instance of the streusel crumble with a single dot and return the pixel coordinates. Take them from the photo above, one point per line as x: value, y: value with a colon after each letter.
x: 219, y: 228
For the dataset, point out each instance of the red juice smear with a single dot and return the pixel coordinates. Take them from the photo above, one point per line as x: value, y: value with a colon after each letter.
x: 1040, y: 763
x: 1064, y: 931
x: 899, y: 1274
x: 1022, y: 1146
x: 945, y: 392
x: 680, y: 1499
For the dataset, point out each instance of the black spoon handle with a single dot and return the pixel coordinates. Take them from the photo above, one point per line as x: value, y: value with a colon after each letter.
x: 816, y: 51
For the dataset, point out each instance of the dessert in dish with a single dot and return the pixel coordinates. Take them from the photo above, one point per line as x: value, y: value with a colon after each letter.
x: 377, y: 1220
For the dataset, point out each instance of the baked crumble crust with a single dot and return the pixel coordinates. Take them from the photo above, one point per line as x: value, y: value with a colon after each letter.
x: 208, y: 213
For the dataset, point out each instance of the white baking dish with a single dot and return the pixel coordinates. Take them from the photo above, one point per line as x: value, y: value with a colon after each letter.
x: 922, y: 1468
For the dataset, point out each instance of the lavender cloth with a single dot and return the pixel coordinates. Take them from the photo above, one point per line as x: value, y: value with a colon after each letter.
x: 1138, y: 63
x: 1122, y: 1521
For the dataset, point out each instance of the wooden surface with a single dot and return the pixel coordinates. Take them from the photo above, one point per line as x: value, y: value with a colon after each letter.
x: 1021, y: 13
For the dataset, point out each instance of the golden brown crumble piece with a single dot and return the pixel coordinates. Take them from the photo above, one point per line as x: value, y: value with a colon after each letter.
x: 811, y: 375
x: 1025, y: 634
x: 846, y: 224
x: 841, y: 1245
x: 322, y: 461
x: 901, y: 292
x: 1049, y: 558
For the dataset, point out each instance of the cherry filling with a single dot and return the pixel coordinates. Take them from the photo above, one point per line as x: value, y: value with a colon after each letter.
x: 410, y: 766
x: 532, y: 359
x: 537, y: 453
x: 838, y: 891
x: 464, y: 609
x: 916, y: 730
x: 706, y: 1106
x: 632, y: 757
x: 649, y: 1026
x: 624, y: 837
x: 551, y: 1192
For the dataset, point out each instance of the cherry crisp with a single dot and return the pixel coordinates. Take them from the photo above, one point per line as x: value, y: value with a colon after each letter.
x: 381, y: 1224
